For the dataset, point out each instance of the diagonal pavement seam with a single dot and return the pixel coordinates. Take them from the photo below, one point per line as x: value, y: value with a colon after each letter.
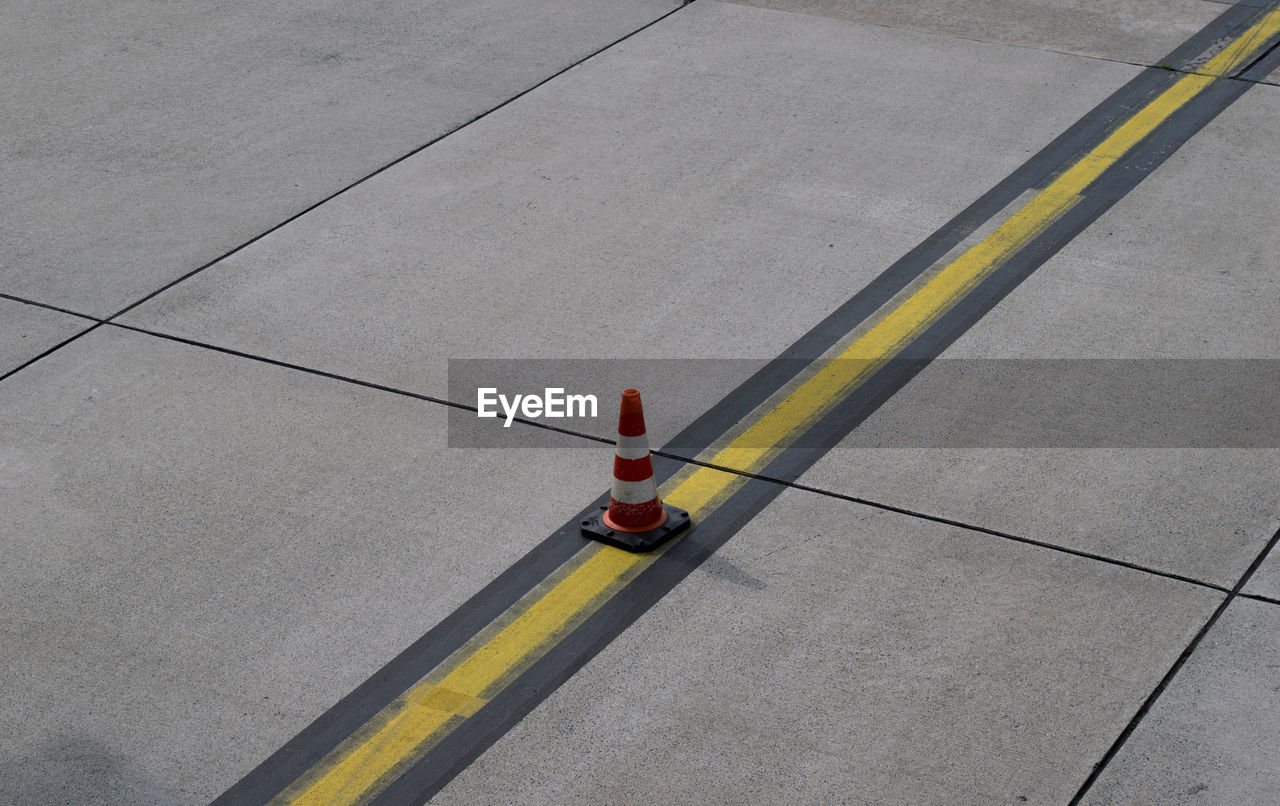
x: 1190, y: 649
x: 289, y: 220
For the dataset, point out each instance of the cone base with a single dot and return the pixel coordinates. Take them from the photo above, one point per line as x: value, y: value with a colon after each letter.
x: 595, y: 527
x: 663, y: 515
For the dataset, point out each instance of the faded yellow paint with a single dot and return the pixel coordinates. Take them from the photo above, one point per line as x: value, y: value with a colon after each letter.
x: 362, y: 766
x: 1244, y: 47
x: 528, y: 636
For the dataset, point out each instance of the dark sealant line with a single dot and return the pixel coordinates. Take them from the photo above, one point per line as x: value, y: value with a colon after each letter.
x: 1172, y: 673
x: 1258, y: 597
x: 925, y: 516
x: 1261, y: 66
x: 96, y: 324
x: 275, y: 362
x: 50, y: 351
x: 49, y: 307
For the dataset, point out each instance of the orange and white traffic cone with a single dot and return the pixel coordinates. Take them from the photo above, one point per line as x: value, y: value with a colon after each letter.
x: 636, y: 518
x: 634, y: 505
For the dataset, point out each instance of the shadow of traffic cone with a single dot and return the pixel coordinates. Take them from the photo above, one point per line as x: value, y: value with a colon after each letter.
x: 636, y: 519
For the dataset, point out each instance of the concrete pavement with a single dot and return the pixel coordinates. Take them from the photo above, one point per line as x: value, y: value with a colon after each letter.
x: 1134, y: 31
x: 1204, y: 740
x: 142, y: 142
x: 834, y: 654
x: 209, y: 542
x: 1120, y: 290
x: 700, y: 165
x: 26, y: 331
x: 203, y: 554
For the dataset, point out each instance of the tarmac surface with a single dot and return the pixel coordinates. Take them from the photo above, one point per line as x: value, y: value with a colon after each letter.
x: 243, y: 245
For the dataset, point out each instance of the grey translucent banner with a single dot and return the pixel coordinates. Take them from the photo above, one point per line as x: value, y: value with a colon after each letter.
x: 946, y: 403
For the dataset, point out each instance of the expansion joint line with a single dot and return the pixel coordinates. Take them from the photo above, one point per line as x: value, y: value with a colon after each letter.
x: 1258, y: 597
x: 1137, y: 718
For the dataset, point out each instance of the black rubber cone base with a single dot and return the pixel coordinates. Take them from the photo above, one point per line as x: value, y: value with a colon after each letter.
x: 594, y: 527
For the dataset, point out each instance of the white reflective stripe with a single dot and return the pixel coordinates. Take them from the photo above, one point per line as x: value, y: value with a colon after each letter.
x: 634, y: 492
x: 633, y: 447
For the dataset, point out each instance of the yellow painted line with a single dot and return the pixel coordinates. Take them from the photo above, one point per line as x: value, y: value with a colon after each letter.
x: 777, y: 428
x: 362, y: 766
x: 1244, y: 47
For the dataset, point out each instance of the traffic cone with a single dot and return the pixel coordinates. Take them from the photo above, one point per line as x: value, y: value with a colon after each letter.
x: 634, y: 505
x: 635, y: 518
